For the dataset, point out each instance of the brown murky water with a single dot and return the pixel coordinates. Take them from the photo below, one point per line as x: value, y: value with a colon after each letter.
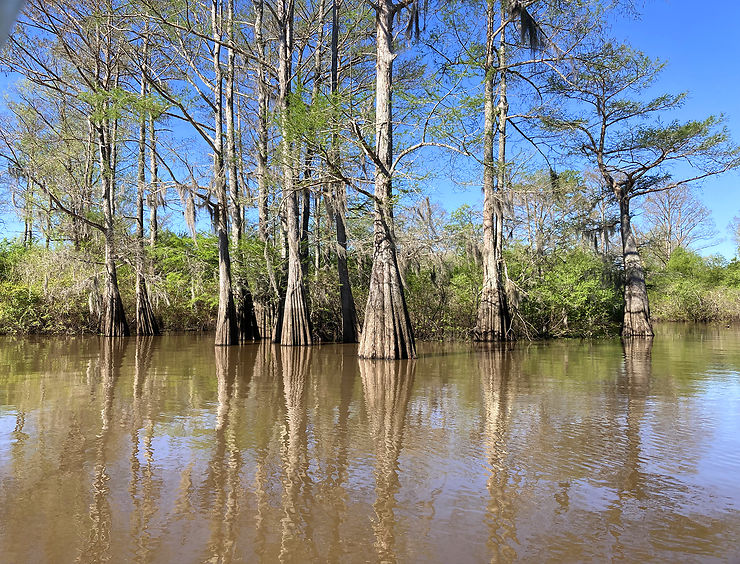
x: 166, y: 450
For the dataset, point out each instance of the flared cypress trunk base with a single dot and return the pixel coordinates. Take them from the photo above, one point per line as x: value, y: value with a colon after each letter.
x: 146, y: 323
x: 494, y: 322
x: 296, y: 327
x: 227, y: 328
x: 113, y: 322
x: 636, y: 312
x: 387, y: 332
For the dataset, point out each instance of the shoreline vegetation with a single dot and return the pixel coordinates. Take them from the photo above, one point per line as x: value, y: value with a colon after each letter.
x: 572, y: 293
x: 298, y: 144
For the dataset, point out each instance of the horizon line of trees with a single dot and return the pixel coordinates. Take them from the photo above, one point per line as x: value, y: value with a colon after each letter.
x: 291, y: 123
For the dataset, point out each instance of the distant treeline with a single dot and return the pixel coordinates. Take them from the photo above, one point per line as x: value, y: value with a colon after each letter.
x: 565, y: 291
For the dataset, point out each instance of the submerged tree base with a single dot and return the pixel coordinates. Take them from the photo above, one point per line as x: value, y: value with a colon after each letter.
x: 636, y: 311
x: 113, y: 322
x: 494, y: 322
x: 246, y: 316
x: 146, y: 322
x: 387, y: 332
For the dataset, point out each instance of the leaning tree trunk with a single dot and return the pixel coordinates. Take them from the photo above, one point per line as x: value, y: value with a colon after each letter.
x: 227, y: 330
x: 493, y: 313
x: 387, y: 332
x: 636, y: 308
x: 246, y: 317
x: 113, y: 322
x: 295, y: 328
x: 146, y: 323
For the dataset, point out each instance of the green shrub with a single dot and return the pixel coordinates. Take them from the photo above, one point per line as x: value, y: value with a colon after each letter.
x: 573, y: 294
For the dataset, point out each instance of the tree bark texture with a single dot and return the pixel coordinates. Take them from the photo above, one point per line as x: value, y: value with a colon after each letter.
x: 338, y: 202
x: 246, y: 317
x: 295, y: 329
x: 493, y: 322
x: 146, y: 323
x: 387, y: 332
x: 636, y: 308
x: 227, y: 330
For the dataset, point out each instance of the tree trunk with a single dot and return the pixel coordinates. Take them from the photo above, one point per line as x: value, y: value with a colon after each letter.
x: 154, y: 184
x: 338, y: 199
x: 227, y: 330
x: 493, y: 322
x: 387, y: 332
x: 246, y: 318
x: 262, y: 148
x: 295, y: 328
x: 636, y: 308
x: 113, y: 321
x: 146, y: 323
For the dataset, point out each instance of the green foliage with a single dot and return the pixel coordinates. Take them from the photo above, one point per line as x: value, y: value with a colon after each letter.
x: 443, y: 298
x: 184, y: 290
x: 696, y: 288
x: 569, y: 294
x: 31, y: 299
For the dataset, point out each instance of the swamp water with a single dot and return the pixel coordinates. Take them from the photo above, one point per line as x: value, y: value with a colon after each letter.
x: 168, y: 450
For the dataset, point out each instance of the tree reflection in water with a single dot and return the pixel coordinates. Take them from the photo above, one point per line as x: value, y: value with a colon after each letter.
x: 297, y: 540
x: 387, y: 389
x: 495, y: 364
x: 337, y: 475
x: 97, y: 547
x: 631, y: 480
x: 174, y: 452
x: 143, y: 487
x: 222, y: 488
x: 268, y: 386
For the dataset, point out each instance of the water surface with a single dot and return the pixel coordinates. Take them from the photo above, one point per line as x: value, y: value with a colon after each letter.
x: 170, y: 450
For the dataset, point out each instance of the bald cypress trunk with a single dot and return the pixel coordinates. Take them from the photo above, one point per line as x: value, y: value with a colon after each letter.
x: 338, y: 202
x: 146, y: 323
x: 493, y: 314
x: 295, y: 328
x: 113, y: 321
x: 227, y: 330
x: 246, y: 317
x: 387, y: 332
x: 636, y: 307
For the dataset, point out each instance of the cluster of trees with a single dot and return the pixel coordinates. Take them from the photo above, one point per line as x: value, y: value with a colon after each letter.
x: 261, y: 113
